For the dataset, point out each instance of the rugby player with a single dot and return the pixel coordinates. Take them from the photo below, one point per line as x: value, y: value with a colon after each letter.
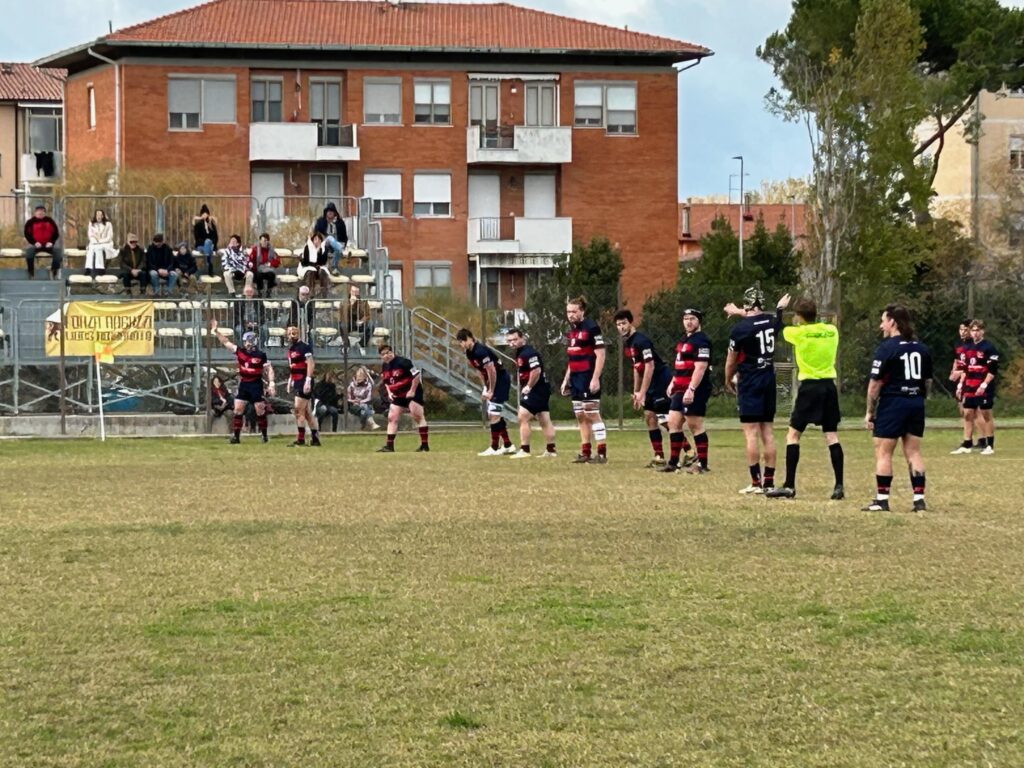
x: 405, y: 391
x: 497, y: 385
x: 534, y: 396
x: 977, y: 388
x: 300, y: 383
x: 650, y: 382
x: 582, y: 381
x: 252, y: 363
x: 956, y: 375
x: 689, y: 390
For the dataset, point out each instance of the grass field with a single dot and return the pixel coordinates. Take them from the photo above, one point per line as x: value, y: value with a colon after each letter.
x: 187, y: 603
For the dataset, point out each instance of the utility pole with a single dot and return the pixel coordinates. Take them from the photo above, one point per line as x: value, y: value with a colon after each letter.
x: 742, y: 200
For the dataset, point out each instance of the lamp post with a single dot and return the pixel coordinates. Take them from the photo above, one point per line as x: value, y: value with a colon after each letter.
x: 740, y: 158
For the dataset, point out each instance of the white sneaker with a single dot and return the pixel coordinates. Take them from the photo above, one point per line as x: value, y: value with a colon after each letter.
x: 374, y: 425
x: 520, y: 454
x: 509, y: 451
x: 960, y: 451
x: 491, y: 452
x: 988, y: 450
x: 750, y: 489
x: 547, y: 455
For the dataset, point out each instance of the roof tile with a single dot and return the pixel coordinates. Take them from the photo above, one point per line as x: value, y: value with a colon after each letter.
x: 23, y: 82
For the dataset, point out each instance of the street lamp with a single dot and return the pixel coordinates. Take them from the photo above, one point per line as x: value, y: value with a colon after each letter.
x: 740, y: 158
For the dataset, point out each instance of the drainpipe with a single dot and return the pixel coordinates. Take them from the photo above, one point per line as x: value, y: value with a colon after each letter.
x: 117, y: 108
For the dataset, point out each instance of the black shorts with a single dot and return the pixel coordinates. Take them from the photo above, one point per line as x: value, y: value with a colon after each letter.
x: 502, y: 387
x: 657, y: 401
x: 982, y: 402
x: 817, y: 402
x: 757, y: 398
x: 297, y: 385
x: 578, y: 388
x: 250, y: 391
x: 537, y: 400
x: 403, y: 402
x: 899, y: 416
x: 699, y: 406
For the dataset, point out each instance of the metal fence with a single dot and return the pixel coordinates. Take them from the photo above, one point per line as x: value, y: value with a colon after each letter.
x: 137, y: 214
x: 234, y: 215
x: 14, y: 212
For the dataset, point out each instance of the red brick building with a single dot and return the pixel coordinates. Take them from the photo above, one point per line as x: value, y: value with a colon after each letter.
x: 695, y: 220
x: 490, y: 136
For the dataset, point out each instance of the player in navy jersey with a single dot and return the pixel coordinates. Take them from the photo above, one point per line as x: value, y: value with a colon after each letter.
x: 651, y: 378
x: 401, y: 382
x: 956, y: 375
x: 497, y: 386
x: 301, y: 367
x: 751, y: 363
x: 977, y: 387
x: 582, y: 381
x: 534, y: 396
x: 690, y: 390
x: 252, y: 365
x: 900, y: 373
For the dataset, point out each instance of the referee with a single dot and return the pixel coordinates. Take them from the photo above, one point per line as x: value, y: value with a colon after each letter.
x: 817, y: 402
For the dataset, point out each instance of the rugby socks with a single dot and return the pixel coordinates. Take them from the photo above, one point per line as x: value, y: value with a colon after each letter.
x: 968, y: 444
x: 792, y: 459
x: 261, y: 423
x: 495, y: 431
x: 755, y: 475
x: 769, y: 478
x: 524, y: 448
x: 551, y: 448
x: 236, y: 424
x: 835, y: 453
x: 390, y: 441
x: 675, y: 442
x: 585, y: 449
x: 301, y: 435
x: 601, y: 435
x: 917, y: 483
x: 503, y: 433
x: 884, y: 484
x: 701, y: 441
x: 424, y: 432
x: 991, y: 440
x: 656, y: 444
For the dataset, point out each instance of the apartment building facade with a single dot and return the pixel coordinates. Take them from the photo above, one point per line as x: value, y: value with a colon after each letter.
x: 696, y: 220
x: 31, y: 128
x: 490, y: 137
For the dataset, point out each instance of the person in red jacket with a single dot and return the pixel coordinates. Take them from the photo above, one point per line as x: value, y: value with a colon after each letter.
x: 42, y: 235
x: 263, y: 260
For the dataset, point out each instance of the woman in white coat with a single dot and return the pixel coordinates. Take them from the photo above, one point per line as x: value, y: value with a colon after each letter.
x: 101, y: 244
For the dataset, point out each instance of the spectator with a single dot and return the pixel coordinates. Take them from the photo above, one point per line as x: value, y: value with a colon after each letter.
x: 313, y: 264
x: 303, y: 309
x: 160, y: 264
x: 359, y: 316
x: 325, y: 400
x: 335, y: 236
x: 263, y: 261
x: 101, y: 244
x: 204, y: 232
x: 133, y: 264
x: 220, y: 398
x: 185, y: 265
x: 249, y: 314
x: 359, y: 397
x: 42, y: 235
x: 235, y: 264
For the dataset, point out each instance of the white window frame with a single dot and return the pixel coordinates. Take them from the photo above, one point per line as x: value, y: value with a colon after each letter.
x: 1017, y: 154
x: 540, y: 86
x: 611, y: 129
x: 385, y: 207
x: 432, y: 105
x: 90, y: 91
x: 49, y: 112
x: 328, y: 196
x: 434, y: 268
x: 267, y: 81
x: 368, y: 82
x: 437, y: 206
x: 203, y: 80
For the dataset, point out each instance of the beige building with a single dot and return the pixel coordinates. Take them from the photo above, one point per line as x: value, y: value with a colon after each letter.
x: 31, y: 128
x: 982, y: 184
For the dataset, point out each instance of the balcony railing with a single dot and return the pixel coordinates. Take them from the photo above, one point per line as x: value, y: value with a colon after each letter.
x: 518, y: 144
x: 309, y: 142
x: 519, y: 235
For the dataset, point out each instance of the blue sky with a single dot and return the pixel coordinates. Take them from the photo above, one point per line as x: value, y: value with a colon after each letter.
x: 721, y: 101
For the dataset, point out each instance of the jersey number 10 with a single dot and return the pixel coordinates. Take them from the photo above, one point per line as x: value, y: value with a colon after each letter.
x: 911, y: 366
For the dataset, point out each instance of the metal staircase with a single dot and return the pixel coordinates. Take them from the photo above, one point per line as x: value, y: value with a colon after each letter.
x: 428, y: 339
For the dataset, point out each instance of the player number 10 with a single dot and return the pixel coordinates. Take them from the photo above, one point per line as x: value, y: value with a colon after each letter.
x: 911, y: 366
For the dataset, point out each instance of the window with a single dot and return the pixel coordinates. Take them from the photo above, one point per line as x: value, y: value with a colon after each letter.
x: 325, y: 111
x: 433, y: 277
x: 323, y: 188
x: 195, y: 101
x: 483, y: 104
x: 1016, y: 230
x: 44, y: 129
x: 91, y: 105
x: 433, y: 102
x: 382, y: 101
x: 612, y: 105
x: 266, y: 100
x: 385, y: 189
x: 1017, y: 153
x: 490, y: 293
x: 540, y: 104
x: 432, y: 194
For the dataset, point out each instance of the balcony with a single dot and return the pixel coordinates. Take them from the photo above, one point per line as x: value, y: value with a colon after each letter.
x: 515, y: 235
x: 33, y: 167
x: 302, y: 142
x: 518, y: 144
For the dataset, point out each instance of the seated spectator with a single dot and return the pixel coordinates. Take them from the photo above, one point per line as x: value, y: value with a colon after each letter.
x: 334, y: 233
x: 204, y: 232
x: 133, y: 264
x: 185, y: 265
x: 101, y: 244
x: 263, y: 261
x: 359, y: 398
x: 221, y: 401
x: 302, y: 309
x: 359, y: 316
x: 235, y: 263
x: 313, y: 264
x: 325, y: 400
x: 42, y: 235
x: 160, y: 264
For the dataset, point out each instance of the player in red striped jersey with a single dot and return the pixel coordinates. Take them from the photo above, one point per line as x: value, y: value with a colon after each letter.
x: 252, y: 365
x: 582, y: 381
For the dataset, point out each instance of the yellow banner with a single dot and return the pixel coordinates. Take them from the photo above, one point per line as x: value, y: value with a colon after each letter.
x: 116, y: 327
